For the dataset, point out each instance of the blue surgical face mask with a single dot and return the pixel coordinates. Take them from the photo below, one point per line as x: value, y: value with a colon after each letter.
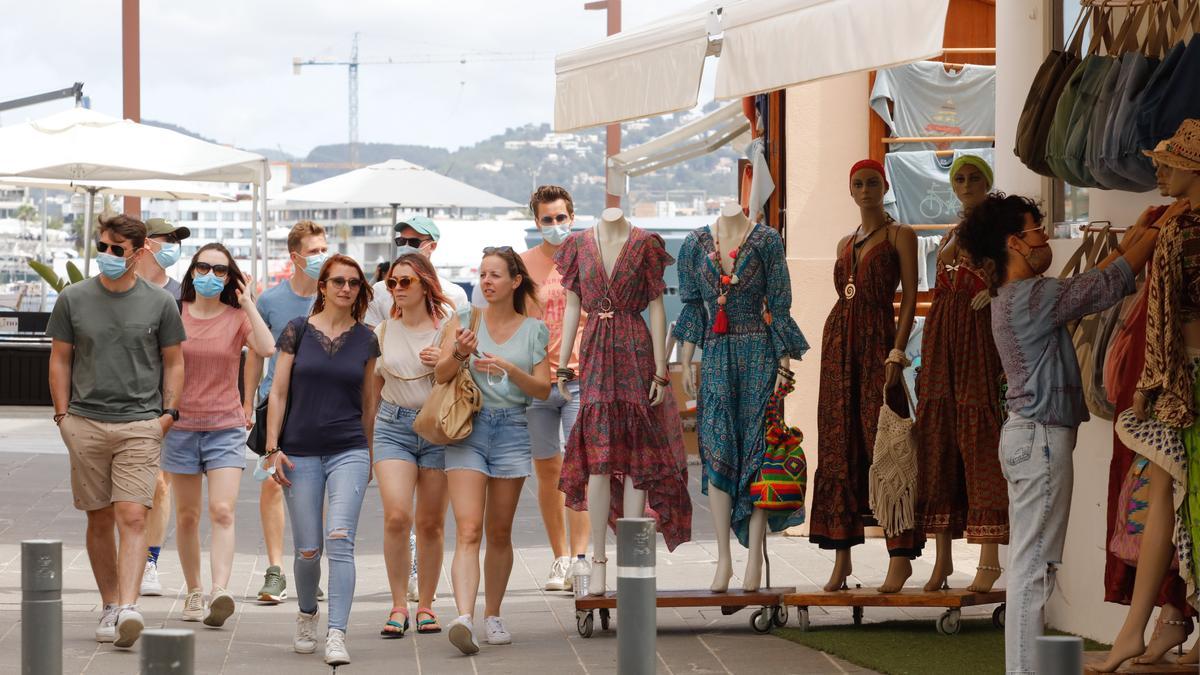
x: 111, y: 266
x: 555, y: 235
x: 168, y: 255
x: 209, y: 285
x: 313, y: 264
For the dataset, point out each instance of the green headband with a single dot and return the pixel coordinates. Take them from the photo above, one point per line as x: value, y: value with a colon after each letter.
x: 975, y: 161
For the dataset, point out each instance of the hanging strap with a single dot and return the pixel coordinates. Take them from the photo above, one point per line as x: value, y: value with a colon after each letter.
x: 1188, y: 21
x: 383, y: 361
x: 1076, y: 42
x: 1127, y: 37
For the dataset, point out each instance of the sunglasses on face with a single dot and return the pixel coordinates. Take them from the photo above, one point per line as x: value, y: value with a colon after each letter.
x: 551, y: 220
x: 414, y: 242
x: 205, y: 268
x: 342, y: 282
x: 118, y: 250
x: 402, y: 282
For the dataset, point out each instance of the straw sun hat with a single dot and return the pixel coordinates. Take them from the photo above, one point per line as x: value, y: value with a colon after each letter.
x: 1181, y: 151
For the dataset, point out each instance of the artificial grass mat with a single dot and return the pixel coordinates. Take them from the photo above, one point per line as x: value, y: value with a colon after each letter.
x: 913, y: 647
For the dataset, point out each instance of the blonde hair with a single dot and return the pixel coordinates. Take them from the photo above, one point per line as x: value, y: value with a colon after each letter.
x: 302, y: 229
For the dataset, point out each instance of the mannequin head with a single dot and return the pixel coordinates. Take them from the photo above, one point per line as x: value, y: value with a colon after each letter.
x: 868, y: 184
x: 1181, y: 155
x: 503, y: 278
x: 971, y: 178
x: 1004, y: 233
x: 1183, y: 183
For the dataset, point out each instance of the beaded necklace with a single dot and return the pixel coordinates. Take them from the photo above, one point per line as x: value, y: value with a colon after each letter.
x: 725, y: 281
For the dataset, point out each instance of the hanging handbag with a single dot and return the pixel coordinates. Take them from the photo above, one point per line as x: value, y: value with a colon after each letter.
x: 1042, y: 100
x: 1075, y: 106
x: 449, y: 412
x: 1122, y: 160
x: 1108, y: 102
x: 782, y: 478
x: 1182, y: 91
x: 1133, y: 502
x: 256, y: 440
x: 1086, y: 333
x: 893, y: 476
x: 1146, y: 133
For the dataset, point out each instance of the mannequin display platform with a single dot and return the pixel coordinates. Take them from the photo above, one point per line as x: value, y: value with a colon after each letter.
x: 626, y: 448
x: 737, y: 270
x: 961, y: 488
x: 860, y: 338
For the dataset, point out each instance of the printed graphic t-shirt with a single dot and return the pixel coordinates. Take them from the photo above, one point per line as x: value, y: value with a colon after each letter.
x: 928, y: 100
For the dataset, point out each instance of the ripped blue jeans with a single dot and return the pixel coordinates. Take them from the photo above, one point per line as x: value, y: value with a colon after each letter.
x: 343, y: 478
x: 1036, y: 461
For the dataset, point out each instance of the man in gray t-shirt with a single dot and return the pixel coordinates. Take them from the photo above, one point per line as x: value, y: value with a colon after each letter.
x: 116, y: 371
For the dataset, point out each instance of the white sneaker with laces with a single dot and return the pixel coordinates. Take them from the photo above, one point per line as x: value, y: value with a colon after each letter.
x: 107, y: 630
x: 462, y: 635
x: 559, y: 579
x: 305, y: 641
x: 335, y: 648
x: 130, y: 625
x: 193, y: 605
x: 220, y: 607
x: 497, y: 634
x: 150, y: 583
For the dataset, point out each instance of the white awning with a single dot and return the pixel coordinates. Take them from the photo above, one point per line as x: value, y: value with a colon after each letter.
x: 763, y: 45
x: 148, y: 189
x: 693, y: 139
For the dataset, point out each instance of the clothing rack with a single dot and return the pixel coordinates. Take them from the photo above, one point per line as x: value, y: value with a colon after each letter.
x: 1120, y: 3
x: 968, y: 50
x: 1097, y: 228
x: 926, y: 227
x: 939, y: 139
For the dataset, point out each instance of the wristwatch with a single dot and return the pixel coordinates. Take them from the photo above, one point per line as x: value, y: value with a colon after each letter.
x: 174, y: 413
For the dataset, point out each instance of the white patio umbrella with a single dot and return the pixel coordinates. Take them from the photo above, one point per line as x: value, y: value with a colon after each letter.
x: 84, y: 145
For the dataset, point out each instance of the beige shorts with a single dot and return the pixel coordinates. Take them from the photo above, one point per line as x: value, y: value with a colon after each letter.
x: 112, y: 461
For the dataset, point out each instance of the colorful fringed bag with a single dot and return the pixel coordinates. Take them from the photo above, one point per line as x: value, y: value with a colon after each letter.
x: 782, y: 478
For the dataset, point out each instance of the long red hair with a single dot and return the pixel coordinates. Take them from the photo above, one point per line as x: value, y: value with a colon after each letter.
x: 435, y: 299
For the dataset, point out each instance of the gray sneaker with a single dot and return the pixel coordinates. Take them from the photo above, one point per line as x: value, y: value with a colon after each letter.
x: 107, y: 630
x: 305, y: 641
x: 274, y: 590
x: 130, y: 625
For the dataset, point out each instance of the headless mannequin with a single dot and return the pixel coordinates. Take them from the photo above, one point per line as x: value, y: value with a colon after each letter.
x: 1157, y: 548
x: 611, y: 233
x: 970, y: 191
x: 732, y: 226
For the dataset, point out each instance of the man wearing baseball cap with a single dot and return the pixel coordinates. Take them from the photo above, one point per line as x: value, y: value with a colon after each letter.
x: 163, y: 239
x: 416, y: 234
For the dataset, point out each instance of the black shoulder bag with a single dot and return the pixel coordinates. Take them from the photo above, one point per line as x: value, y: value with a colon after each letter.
x: 256, y: 440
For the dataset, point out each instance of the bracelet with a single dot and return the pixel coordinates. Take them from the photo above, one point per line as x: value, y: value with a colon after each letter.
x: 897, y: 356
x: 661, y: 381
x: 272, y: 451
x: 567, y: 374
x: 459, y: 357
x: 58, y: 417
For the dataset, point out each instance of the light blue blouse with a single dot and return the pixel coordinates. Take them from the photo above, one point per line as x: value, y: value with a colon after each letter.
x: 525, y: 349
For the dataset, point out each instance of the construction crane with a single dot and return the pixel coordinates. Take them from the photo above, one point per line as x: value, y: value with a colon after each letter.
x: 74, y: 91
x: 354, y: 62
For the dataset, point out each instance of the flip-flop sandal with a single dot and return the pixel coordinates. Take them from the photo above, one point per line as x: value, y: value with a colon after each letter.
x: 394, y: 629
x: 429, y: 625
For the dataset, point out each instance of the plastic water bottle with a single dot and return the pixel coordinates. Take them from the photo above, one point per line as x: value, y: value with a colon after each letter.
x: 581, y: 574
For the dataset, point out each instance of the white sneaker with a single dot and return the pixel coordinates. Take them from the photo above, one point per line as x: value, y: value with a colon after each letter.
x: 150, y: 582
x: 305, y: 641
x: 107, y: 630
x: 130, y: 625
x: 335, y: 648
x: 220, y: 607
x: 462, y: 635
x: 497, y: 634
x: 559, y: 579
x: 193, y: 606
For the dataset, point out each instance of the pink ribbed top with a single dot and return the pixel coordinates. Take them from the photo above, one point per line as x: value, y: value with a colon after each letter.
x: 211, y: 357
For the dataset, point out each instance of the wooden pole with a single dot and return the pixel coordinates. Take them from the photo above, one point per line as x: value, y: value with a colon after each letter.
x: 131, y: 66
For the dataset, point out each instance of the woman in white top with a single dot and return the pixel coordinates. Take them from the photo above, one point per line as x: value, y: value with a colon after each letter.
x: 406, y: 464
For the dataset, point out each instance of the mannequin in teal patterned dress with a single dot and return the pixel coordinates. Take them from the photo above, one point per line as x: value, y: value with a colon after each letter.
x: 740, y: 368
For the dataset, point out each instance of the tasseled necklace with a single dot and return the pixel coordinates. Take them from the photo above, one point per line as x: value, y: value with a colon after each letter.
x: 725, y: 281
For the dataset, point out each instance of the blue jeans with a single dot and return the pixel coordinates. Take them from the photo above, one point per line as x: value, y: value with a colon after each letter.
x: 1036, y: 461
x: 550, y: 421
x: 344, y: 477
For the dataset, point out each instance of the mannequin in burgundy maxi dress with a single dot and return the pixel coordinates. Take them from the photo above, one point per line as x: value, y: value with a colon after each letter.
x: 626, y: 448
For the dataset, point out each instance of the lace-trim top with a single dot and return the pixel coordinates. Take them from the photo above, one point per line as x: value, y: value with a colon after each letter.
x: 287, y: 339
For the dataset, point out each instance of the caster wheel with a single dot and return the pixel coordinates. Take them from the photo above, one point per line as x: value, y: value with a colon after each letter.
x: 949, y: 623
x: 857, y: 613
x: 802, y: 618
x: 604, y: 616
x: 584, y: 623
x: 779, y: 616
x: 760, y: 621
x: 998, y: 616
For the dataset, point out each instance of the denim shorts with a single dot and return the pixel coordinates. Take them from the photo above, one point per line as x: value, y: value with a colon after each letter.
x: 395, y: 439
x: 193, y: 452
x: 550, y: 421
x: 498, y: 446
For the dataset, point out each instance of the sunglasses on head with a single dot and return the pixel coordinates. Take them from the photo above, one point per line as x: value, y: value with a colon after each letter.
x: 492, y: 250
x: 342, y: 282
x: 116, y: 249
x: 401, y: 282
x: 205, y: 268
x: 414, y: 242
x: 550, y: 220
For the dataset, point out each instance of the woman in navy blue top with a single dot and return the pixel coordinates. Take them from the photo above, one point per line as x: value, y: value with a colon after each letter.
x: 326, y: 363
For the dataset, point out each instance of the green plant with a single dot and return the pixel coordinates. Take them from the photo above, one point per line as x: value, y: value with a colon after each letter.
x: 51, y: 277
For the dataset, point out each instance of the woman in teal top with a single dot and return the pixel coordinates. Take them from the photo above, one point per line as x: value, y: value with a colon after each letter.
x: 486, y: 471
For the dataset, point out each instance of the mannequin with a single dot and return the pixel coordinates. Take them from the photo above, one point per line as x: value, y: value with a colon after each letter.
x: 1165, y: 400
x: 862, y: 360
x: 626, y: 448
x: 743, y: 365
x: 961, y: 488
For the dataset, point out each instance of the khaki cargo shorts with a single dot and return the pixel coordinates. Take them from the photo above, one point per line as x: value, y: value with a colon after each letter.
x: 112, y: 461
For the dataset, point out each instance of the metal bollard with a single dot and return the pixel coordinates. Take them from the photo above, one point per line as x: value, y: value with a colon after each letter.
x: 168, y: 651
x: 1059, y: 655
x: 636, y: 597
x: 41, y: 607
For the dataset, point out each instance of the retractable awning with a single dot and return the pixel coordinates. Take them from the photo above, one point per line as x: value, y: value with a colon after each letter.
x: 762, y: 45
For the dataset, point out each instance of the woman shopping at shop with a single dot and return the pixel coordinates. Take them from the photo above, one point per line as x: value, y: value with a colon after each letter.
x: 505, y: 351
x: 209, y: 440
x: 407, y: 465
x: 324, y: 386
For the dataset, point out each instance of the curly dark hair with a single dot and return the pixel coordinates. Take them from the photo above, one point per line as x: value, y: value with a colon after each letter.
x: 187, y: 290
x: 544, y: 194
x: 984, y: 233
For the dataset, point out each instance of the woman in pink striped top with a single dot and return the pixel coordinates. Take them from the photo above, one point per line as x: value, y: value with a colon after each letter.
x: 210, y: 436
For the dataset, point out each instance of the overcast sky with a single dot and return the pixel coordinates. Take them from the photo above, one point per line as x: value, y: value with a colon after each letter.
x: 223, y: 68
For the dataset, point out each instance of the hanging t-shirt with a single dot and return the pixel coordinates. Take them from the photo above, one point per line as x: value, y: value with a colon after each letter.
x: 928, y: 100
x: 920, y: 190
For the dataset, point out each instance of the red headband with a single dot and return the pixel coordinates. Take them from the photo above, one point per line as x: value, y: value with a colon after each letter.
x: 867, y: 164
